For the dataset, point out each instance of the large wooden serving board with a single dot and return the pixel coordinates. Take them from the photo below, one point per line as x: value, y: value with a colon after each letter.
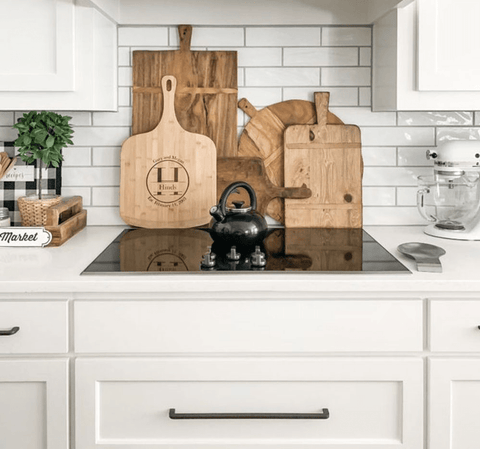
x: 328, y: 158
x: 263, y: 137
x: 206, y: 101
x: 168, y: 176
x: 252, y: 171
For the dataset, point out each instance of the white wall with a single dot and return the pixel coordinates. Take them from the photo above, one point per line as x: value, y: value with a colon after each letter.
x: 275, y: 64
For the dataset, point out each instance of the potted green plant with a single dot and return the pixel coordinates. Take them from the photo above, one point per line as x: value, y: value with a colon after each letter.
x: 41, y: 137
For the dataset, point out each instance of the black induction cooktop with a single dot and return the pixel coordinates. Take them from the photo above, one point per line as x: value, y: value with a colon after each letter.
x: 308, y: 250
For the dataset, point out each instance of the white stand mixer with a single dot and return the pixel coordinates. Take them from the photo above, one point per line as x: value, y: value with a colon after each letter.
x: 450, y: 199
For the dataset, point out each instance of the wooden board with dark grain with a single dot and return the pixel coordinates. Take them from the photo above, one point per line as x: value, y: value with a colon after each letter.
x: 252, y: 170
x: 328, y: 158
x: 263, y: 137
x: 206, y: 100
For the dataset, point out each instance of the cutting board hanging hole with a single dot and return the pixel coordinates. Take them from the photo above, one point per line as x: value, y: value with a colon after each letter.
x: 169, y: 85
x: 312, y: 136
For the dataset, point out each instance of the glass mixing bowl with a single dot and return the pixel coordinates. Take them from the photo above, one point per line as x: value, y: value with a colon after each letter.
x: 452, y: 202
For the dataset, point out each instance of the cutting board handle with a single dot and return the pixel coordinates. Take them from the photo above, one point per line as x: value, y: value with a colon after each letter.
x: 169, y: 86
x: 247, y: 107
x: 321, y: 105
x: 185, y: 34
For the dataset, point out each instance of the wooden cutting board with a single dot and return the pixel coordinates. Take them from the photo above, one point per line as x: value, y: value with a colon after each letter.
x: 206, y: 101
x: 168, y: 175
x: 263, y: 137
x: 328, y: 158
x: 252, y: 171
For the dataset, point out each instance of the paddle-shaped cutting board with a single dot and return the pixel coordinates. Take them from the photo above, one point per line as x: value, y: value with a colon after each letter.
x: 168, y: 176
x: 328, y: 159
x: 263, y: 137
x: 206, y: 101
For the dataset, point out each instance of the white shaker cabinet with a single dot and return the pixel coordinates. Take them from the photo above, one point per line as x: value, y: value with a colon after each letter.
x: 454, y: 403
x: 34, y: 404
x: 57, y: 54
x: 426, y: 56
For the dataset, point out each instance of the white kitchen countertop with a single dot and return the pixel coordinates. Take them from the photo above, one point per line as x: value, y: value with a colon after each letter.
x: 57, y: 270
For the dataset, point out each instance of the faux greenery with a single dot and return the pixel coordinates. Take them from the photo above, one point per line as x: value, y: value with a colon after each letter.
x: 41, y: 136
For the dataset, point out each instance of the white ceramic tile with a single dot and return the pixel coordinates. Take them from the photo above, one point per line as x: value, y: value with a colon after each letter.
x: 124, y: 56
x: 457, y: 134
x: 106, y: 196
x: 435, y: 118
x: 101, y: 136
x: 90, y: 176
x: 124, y: 96
x: 254, y: 57
x: 379, y: 196
x: 241, y: 118
x: 414, y: 156
x: 391, y: 216
x: 365, y: 96
x: 392, y: 176
x: 397, y: 136
x: 477, y: 118
x: 6, y: 118
x: 260, y: 97
x: 288, y: 77
x: 339, y: 96
x: 104, y: 216
x: 125, y: 77
x: 282, y: 36
x: 365, y: 117
x: 347, y: 76
x: 154, y: 35
x: 8, y: 134
x: 346, y: 36
x: 366, y: 56
x: 106, y: 156
x: 148, y: 48
x: 241, y: 77
x: 407, y: 196
x: 84, y: 192
x: 77, y: 156
x: 212, y: 37
x: 379, y: 156
x: 123, y: 117
x: 79, y: 118
x: 320, y: 56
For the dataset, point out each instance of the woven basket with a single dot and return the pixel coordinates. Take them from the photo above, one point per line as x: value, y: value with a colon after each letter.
x: 34, y: 211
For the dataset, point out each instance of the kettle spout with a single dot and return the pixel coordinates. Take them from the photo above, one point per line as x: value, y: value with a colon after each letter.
x: 216, y: 213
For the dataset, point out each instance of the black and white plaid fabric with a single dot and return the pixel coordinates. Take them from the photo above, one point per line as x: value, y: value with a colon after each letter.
x: 10, y: 191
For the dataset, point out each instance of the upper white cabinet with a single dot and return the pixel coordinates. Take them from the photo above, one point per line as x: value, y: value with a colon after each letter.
x: 60, y: 54
x: 426, y: 56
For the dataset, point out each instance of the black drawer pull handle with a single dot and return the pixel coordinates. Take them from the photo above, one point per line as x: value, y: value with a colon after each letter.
x: 11, y: 331
x: 174, y: 415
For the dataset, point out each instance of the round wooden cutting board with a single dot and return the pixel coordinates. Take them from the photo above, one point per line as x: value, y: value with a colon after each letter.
x: 263, y: 137
x: 168, y: 176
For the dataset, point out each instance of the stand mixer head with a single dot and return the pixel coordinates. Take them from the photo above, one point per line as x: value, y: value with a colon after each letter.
x: 450, y: 199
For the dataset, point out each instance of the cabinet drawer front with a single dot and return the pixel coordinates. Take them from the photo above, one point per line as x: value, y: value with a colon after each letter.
x: 248, y: 326
x: 454, y: 326
x: 42, y: 327
x: 126, y: 403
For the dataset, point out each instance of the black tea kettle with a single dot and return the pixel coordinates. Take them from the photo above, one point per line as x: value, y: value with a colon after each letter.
x: 238, y: 226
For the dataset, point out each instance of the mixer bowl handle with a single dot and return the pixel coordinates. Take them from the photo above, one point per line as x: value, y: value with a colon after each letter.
x: 421, y: 204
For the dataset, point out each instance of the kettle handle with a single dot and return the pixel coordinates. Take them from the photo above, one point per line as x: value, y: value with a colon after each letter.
x: 230, y: 189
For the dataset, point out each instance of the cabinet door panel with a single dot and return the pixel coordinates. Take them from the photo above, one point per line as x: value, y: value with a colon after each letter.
x: 33, y: 404
x: 454, y: 403
x: 125, y: 403
x: 448, y: 45
x: 40, y: 53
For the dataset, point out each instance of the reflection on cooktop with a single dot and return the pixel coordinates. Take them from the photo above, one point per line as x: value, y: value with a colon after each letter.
x: 139, y: 251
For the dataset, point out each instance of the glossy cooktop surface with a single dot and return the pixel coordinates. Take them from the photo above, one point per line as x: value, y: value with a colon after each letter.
x: 169, y: 251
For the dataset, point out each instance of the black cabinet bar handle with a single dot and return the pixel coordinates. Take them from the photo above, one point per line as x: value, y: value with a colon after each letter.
x: 11, y: 331
x: 325, y: 414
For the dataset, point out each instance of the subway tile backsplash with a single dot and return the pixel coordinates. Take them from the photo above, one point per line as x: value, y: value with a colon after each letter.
x: 275, y: 64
